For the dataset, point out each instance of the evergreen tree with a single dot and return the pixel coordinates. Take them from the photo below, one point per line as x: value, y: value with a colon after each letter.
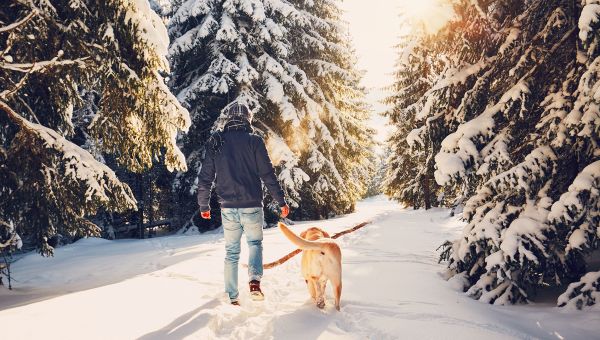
x: 375, y: 186
x: 514, y: 128
x: 406, y: 180
x: 304, y: 103
x: 52, y: 52
x: 337, y: 147
x: 236, y: 50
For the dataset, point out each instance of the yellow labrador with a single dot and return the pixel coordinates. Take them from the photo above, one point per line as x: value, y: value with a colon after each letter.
x: 321, y: 261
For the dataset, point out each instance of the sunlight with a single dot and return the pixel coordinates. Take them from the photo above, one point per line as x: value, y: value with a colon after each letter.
x: 427, y: 15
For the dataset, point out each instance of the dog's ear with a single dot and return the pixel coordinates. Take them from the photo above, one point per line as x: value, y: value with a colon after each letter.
x: 325, y: 234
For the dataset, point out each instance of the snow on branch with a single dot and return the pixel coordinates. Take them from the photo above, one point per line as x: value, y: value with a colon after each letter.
x: 150, y: 28
x: 9, y: 237
x: 459, y: 75
x: 590, y: 15
x: 461, y: 149
x: 41, y: 65
x: 577, y: 210
x: 36, y: 67
x: 290, y: 175
x: 583, y: 293
x: 100, y: 182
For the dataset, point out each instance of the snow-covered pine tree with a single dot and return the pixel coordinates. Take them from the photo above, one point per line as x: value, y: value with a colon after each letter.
x: 251, y: 50
x: 375, y: 186
x: 50, y: 51
x: 408, y: 180
x: 226, y: 50
x: 525, y: 145
x: 336, y: 144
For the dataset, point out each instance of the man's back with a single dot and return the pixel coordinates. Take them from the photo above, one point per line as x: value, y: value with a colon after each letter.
x: 239, y: 159
x: 238, y: 181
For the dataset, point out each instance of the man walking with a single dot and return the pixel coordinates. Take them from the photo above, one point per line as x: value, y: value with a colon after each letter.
x: 239, y: 160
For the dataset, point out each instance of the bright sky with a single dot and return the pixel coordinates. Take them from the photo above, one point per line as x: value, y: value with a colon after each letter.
x: 375, y: 29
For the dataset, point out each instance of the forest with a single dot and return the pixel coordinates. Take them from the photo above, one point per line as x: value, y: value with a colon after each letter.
x: 106, y: 108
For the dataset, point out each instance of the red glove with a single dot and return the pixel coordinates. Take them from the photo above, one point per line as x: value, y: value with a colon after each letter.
x: 205, y: 215
x: 285, y: 210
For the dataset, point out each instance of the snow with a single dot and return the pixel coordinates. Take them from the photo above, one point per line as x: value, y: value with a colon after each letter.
x: 290, y: 175
x: 579, y: 293
x: 227, y: 33
x: 191, y: 8
x: 14, y: 240
x: 584, y: 181
x: 460, y: 149
x: 589, y: 16
x: 459, y: 75
x: 512, y: 36
x: 81, y: 167
x: 171, y: 288
x: 149, y: 26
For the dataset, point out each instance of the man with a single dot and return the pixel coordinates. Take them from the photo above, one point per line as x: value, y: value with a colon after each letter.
x: 239, y: 160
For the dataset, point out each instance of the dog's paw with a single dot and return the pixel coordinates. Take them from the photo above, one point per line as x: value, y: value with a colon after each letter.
x: 321, y: 304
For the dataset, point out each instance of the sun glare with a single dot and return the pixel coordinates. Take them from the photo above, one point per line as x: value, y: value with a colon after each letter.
x: 427, y: 15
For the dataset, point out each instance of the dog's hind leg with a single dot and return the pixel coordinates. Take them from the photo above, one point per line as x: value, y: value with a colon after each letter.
x: 315, y: 288
x: 320, y: 285
x: 336, y: 283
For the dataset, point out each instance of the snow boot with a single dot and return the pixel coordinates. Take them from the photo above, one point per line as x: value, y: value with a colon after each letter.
x: 255, y: 293
x: 235, y: 302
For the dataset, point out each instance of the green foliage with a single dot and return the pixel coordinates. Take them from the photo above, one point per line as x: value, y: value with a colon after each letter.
x: 54, y: 50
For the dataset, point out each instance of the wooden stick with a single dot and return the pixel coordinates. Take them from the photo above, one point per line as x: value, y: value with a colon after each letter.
x: 297, y: 251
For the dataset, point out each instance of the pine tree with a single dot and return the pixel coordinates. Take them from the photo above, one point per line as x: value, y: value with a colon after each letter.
x: 406, y: 180
x: 521, y: 159
x: 236, y: 50
x: 375, y: 186
x: 513, y: 125
x: 52, y: 53
x: 337, y: 142
x: 303, y: 104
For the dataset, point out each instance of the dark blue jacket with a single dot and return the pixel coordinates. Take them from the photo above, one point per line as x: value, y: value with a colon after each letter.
x: 239, y: 162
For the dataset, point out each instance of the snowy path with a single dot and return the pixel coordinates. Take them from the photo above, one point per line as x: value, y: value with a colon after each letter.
x: 171, y: 288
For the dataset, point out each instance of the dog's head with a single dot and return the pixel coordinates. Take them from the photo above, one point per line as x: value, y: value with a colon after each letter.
x: 314, y: 233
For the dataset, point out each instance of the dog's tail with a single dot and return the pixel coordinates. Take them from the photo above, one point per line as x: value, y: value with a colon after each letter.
x: 299, y: 241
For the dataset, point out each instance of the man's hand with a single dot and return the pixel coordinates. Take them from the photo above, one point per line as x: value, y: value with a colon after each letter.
x: 205, y: 215
x: 285, y: 210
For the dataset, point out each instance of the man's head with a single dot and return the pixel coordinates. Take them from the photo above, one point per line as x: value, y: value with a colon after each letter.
x: 239, y: 111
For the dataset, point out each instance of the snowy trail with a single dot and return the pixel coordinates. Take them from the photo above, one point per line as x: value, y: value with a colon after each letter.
x: 171, y: 288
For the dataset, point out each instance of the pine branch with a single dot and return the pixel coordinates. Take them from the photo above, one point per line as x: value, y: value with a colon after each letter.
x: 29, y: 68
x: 19, y: 23
x: 40, y: 65
x: 12, y: 115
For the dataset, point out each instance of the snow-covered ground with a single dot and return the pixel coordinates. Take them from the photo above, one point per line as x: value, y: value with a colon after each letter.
x: 171, y: 288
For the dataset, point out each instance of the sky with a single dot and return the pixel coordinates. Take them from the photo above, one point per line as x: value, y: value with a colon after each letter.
x: 374, y: 27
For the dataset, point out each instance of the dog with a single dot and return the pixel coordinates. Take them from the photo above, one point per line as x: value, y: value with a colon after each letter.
x: 321, y: 262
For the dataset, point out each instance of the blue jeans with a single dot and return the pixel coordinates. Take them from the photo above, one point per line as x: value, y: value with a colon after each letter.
x: 236, y: 221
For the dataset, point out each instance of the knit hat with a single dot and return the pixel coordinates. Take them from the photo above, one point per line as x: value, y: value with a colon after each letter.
x: 235, y: 113
x: 235, y: 116
x: 239, y: 111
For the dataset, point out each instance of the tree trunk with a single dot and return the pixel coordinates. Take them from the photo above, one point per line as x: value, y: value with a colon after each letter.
x: 426, y: 192
x: 151, y: 199
x: 140, y: 181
